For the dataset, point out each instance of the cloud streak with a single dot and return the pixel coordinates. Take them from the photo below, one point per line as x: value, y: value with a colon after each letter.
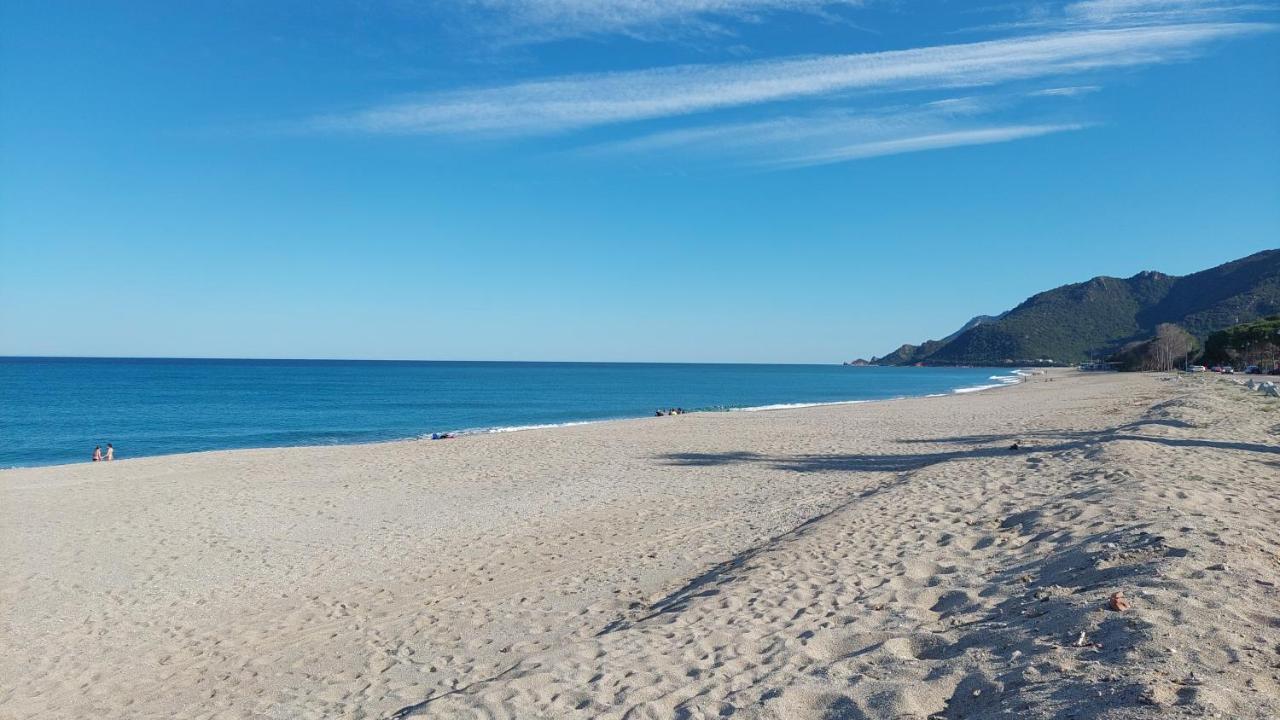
x: 1072, y: 91
x: 1164, y: 11
x: 839, y: 136
x: 583, y: 101
x: 1096, y: 14
x: 554, y: 19
x: 918, y: 143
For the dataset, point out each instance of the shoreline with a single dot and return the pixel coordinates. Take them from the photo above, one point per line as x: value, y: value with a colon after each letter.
x: 468, y: 432
x: 889, y: 558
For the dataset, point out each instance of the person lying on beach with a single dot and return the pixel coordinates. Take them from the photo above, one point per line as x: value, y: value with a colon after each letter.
x: 97, y: 453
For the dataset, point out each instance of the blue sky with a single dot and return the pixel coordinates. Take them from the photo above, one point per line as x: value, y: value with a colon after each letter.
x: 693, y: 180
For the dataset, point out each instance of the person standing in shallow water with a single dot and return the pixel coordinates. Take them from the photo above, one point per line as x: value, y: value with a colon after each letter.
x: 97, y: 453
x: 111, y: 452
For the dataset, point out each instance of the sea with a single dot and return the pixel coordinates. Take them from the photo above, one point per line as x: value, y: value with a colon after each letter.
x: 55, y: 410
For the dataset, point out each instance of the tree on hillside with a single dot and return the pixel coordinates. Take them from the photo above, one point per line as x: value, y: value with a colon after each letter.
x: 1252, y: 343
x: 1166, y: 351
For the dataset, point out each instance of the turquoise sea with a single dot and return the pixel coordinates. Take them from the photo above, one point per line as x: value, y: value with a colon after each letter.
x: 55, y: 410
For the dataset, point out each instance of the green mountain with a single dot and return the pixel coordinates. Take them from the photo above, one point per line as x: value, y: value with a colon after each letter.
x: 1093, y: 319
x: 912, y: 354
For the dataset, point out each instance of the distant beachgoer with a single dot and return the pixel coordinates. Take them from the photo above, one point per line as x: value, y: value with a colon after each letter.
x: 97, y: 453
x: 111, y: 452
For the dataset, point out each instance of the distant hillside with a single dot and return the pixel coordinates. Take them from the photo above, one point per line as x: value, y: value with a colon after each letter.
x: 973, y: 323
x: 1073, y: 322
x: 911, y: 354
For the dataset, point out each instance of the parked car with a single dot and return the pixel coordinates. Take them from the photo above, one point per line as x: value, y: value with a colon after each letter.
x: 1198, y: 368
x: 1274, y: 371
x: 1253, y: 370
x: 1228, y: 370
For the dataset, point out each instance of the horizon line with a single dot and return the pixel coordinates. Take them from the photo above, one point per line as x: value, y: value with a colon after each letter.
x: 4, y: 357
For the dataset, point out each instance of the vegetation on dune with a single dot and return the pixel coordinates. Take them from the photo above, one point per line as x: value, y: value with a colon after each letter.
x: 1251, y: 343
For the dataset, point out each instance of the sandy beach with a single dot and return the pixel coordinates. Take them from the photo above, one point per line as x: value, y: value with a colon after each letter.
x: 881, y: 560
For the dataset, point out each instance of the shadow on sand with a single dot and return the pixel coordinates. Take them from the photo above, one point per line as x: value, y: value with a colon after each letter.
x: 973, y: 447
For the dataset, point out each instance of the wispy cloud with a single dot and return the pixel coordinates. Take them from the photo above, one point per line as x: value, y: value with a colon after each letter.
x: 835, y: 136
x: 792, y: 135
x: 574, y: 102
x: 918, y: 143
x: 1100, y: 14
x: 1070, y: 91
x: 1163, y: 11
x: 533, y: 20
